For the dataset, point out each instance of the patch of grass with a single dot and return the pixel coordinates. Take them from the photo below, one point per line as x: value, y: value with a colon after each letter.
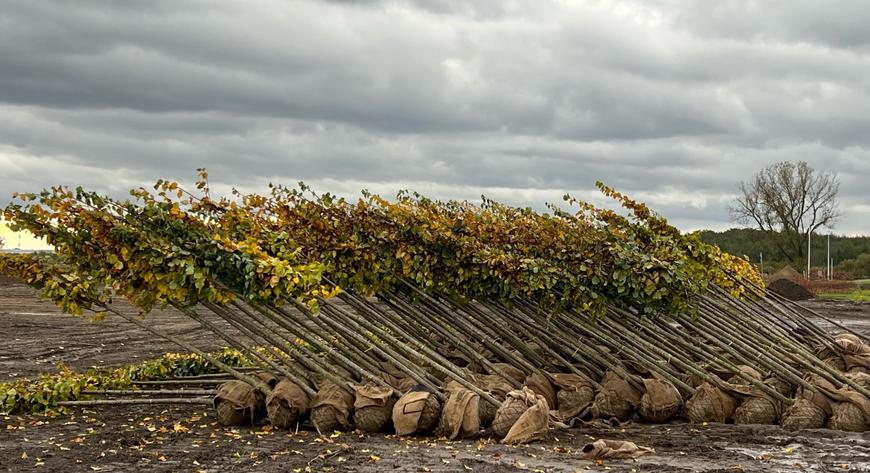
x: 858, y: 295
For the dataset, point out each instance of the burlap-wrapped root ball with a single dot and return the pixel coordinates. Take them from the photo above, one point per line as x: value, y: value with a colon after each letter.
x: 745, y: 371
x: 330, y: 408
x: 847, y: 416
x: 804, y: 414
x: 238, y: 403
x: 417, y: 411
x: 661, y: 401
x: 268, y: 378
x: 851, y: 412
x: 460, y: 415
x: 855, y: 353
x: 811, y: 409
x: 497, y: 387
x: 486, y: 411
x: 692, y: 379
x: 506, y: 415
x: 710, y: 404
x: 494, y: 384
x: 393, y: 376
x: 851, y: 344
x: 860, y: 378
x: 287, y: 404
x: 836, y: 362
x: 430, y: 416
x: 522, y: 417
x: 575, y: 396
x: 540, y: 384
x: 616, y: 398
x: 780, y: 386
x: 373, y: 407
x: 759, y: 407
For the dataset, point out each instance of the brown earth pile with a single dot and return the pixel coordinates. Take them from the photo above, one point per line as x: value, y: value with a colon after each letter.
x: 790, y: 290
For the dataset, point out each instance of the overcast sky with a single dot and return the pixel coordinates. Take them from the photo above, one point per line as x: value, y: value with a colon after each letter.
x: 673, y: 102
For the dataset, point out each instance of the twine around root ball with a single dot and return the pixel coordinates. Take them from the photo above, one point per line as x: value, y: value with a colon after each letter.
x: 757, y: 410
x: 430, y: 416
x: 575, y: 400
x: 238, y: 403
x: 660, y: 402
x: 283, y: 415
x: 506, y: 416
x: 486, y: 412
x: 326, y: 419
x: 710, y: 404
x: 804, y: 414
x: 847, y: 416
x: 229, y: 415
x: 372, y: 418
x: 616, y: 398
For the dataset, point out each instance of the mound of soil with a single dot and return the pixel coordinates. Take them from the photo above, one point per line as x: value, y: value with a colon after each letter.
x: 788, y: 273
x: 790, y: 289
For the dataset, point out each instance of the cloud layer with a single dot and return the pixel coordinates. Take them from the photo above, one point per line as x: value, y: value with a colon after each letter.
x: 673, y: 102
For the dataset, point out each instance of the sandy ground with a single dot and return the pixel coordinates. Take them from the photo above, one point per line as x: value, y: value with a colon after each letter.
x: 184, y: 438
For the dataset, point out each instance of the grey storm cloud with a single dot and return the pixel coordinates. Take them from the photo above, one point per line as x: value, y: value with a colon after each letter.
x: 673, y: 102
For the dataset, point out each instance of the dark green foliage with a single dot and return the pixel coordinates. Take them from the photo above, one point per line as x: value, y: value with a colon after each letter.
x: 751, y: 243
x: 858, y: 267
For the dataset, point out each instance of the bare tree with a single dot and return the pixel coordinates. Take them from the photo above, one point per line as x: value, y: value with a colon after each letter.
x: 788, y: 201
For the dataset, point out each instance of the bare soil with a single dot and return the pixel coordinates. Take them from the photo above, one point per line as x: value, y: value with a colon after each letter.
x: 185, y: 438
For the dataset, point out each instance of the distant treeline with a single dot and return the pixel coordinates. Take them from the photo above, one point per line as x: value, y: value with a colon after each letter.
x: 845, y: 251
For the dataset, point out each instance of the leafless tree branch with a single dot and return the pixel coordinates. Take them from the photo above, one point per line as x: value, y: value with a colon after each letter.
x: 788, y: 201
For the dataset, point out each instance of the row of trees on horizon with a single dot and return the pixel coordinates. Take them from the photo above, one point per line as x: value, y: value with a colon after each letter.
x: 851, y: 255
x: 790, y: 209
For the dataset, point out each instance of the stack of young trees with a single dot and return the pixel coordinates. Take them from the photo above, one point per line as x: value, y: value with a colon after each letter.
x: 447, y: 315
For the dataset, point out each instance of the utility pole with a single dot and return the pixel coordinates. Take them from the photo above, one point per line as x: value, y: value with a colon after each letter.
x: 809, y: 251
x: 761, y: 258
x: 828, y: 260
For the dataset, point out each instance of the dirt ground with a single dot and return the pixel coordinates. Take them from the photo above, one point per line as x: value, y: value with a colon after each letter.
x: 185, y: 438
